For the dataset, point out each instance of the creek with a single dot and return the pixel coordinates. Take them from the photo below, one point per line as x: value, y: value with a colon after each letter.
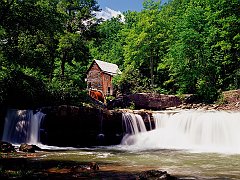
x: 180, y: 163
x: 192, y: 144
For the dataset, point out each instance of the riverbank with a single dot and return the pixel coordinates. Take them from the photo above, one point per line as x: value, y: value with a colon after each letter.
x: 121, y: 164
x: 229, y: 101
x: 20, y: 165
x: 142, y: 152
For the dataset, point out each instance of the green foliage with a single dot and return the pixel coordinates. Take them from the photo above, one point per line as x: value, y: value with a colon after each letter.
x: 185, y: 46
x: 43, y: 52
x: 151, y: 4
x: 21, y: 89
x: 201, y: 53
x: 71, y: 49
x: 109, y: 98
x: 132, y: 106
x: 181, y: 47
x: 108, y: 45
x: 221, y: 100
x: 131, y: 81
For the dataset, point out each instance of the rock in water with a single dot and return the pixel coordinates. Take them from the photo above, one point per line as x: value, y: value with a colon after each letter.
x: 6, y: 147
x: 29, y: 148
x: 94, y: 166
x: 156, y: 175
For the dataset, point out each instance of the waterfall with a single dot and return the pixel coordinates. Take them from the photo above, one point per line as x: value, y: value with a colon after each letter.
x: 205, y: 131
x: 22, y: 126
x: 134, y: 125
x: 35, y: 127
x: 149, y: 121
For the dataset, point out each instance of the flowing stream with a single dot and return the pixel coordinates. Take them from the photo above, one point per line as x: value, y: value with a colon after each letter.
x: 189, y: 144
x: 184, y: 164
x: 22, y: 126
x: 198, y: 131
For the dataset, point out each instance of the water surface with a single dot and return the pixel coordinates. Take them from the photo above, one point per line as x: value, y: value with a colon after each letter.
x: 179, y: 163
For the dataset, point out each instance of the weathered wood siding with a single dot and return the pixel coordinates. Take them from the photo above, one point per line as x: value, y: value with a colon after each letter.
x: 96, y: 79
x: 107, y: 84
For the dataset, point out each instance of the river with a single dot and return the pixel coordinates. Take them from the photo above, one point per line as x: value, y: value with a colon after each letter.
x: 180, y: 163
x: 188, y: 144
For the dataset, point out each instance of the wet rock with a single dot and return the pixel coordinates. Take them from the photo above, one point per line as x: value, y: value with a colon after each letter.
x: 156, y: 175
x: 29, y: 148
x: 94, y: 166
x: 94, y: 127
x: 190, y: 99
x: 145, y: 101
x: 6, y: 147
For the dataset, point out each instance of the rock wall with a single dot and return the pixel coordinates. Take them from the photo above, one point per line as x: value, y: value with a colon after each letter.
x: 78, y: 126
x: 145, y: 101
x: 230, y: 100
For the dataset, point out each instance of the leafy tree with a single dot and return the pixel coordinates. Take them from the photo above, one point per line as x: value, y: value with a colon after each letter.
x: 202, y: 50
x: 130, y: 81
x: 223, y: 40
x: 35, y: 35
x: 185, y: 46
x: 28, y: 42
x: 108, y: 45
x: 72, y: 48
x: 146, y: 42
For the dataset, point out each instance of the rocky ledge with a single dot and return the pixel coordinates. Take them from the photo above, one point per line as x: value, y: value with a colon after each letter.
x: 230, y: 100
x: 156, y: 175
x: 145, y: 101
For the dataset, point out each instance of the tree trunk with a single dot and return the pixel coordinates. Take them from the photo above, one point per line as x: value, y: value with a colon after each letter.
x: 63, y: 64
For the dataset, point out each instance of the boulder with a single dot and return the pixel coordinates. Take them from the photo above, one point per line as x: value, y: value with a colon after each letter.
x: 156, y: 175
x: 6, y: 147
x: 29, y: 148
x: 148, y: 101
x: 94, y: 166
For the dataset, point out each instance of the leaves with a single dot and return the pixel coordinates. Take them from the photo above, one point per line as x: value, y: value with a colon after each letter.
x: 39, y: 36
x: 185, y: 46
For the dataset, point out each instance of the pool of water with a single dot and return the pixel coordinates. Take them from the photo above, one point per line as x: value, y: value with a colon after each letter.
x: 181, y: 163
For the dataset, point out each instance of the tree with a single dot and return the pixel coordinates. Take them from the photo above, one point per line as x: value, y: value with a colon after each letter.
x: 203, y: 47
x: 145, y: 41
x: 28, y: 43
x: 223, y: 40
x: 78, y: 21
x: 35, y: 35
x: 108, y: 45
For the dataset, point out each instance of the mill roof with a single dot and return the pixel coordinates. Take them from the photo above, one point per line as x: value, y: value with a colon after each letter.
x: 106, y: 67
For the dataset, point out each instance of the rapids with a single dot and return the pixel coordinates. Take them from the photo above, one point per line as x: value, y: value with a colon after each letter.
x: 191, y: 144
x: 198, y: 131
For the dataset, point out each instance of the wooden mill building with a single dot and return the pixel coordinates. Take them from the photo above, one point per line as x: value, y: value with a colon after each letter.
x: 99, y: 76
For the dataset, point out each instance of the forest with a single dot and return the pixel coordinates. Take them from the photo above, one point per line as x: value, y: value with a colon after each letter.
x: 182, y: 47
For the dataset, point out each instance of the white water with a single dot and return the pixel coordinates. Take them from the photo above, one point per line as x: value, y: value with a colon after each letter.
x: 134, y: 125
x: 198, y: 131
x: 22, y: 126
x: 35, y: 127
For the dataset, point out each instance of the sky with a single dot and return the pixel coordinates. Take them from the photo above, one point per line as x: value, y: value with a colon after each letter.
x: 122, y: 5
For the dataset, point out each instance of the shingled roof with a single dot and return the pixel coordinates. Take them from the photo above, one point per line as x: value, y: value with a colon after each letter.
x: 108, y: 68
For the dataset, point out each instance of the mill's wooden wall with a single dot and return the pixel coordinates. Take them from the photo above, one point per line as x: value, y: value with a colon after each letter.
x: 96, y: 79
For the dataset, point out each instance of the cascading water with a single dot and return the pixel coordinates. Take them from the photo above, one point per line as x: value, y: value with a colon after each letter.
x: 205, y: 131
x: 134, y: 125
x: 22, y: 126
x: 35, y: 128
